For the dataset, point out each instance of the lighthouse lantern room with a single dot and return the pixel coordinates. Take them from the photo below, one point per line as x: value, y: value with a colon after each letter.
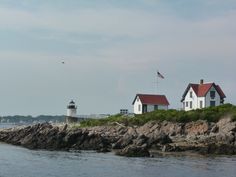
x: 71, y: 109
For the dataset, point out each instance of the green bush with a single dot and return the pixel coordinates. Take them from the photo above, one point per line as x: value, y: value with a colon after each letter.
x: 211, y: 114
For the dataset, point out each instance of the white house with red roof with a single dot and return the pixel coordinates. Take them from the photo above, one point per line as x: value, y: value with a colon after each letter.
x: 146, y: 103
x: 197, y: 96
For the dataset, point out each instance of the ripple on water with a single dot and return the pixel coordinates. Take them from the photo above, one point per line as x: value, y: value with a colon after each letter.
x: 20, y: 162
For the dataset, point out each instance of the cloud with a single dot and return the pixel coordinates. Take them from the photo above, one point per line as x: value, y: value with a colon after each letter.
x: 109, y: 21
x: 165, y: 33
x: 114, y: 52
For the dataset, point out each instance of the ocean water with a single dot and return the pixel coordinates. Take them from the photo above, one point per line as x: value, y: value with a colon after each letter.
x: 20, y: 162
x: 7, y: 125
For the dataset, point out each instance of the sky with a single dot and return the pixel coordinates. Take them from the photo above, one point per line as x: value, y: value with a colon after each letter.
x: 112, y: 50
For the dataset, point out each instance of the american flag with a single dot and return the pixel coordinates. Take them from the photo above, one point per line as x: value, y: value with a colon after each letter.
x: 160, y: 75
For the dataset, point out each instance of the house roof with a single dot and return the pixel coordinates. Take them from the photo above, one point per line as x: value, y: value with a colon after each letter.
x: 202, y: 89
x: 152, y: 99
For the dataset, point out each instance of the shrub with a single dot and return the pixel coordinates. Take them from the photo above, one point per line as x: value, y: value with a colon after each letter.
x: 211, y: 114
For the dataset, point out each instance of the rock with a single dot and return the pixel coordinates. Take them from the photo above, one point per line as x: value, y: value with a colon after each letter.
x: 157, y: 139
x: 167, y: 148
x: 73, y: 137
x: 134, y: 151
x: 172, y: 128
x: 141, y: 139
x: 65, y: 127
x: 180, y: 147
x: 220, y: 149
x: 225, y: 138
x: 196, y: 128
x: 214, y: 129
x: 148, y: 128
x: 199, y: 136
x: 132, y: 132
x: 123, y: 142
x: 226, y: 125
x: 94, y: 142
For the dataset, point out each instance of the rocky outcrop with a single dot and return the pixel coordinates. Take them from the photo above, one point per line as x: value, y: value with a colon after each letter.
x: 200, y: 136
x: 134, y: 151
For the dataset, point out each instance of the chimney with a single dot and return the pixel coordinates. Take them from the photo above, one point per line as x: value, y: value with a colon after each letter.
x: 201, y: 81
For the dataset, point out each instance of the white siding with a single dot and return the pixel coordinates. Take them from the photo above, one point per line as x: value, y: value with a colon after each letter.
x: 216, y: 99
x: 162, y: 107
x: 188, y: 99
x: 152, y: 107
x: 196, y: 100
x: 149, y: 107
x: 71, y: 112
x: 203, y: 102
x: 136, y: 106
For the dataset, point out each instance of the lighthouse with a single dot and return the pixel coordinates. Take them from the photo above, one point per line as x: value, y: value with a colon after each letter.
x: 71, y: 109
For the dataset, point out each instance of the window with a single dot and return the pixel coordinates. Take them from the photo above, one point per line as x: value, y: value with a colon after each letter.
x: 139, y: 107
x: 201, y: 104
x: 212, y: 94
x: 191, y: 104
x: 191, y: 94
x: 137, y: 99
x: 155, y: 107
x: 123, y: 111
x: 186, y: 103
x: 212, y: 103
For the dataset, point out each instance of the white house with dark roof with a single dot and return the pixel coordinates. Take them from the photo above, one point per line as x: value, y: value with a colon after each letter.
x: 146, y: 103
x: 197, y: 96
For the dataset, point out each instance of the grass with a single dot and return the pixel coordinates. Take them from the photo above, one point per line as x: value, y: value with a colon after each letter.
x: 211, y: 114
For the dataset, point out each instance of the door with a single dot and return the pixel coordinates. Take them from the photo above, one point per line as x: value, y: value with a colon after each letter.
x: 144, y: 108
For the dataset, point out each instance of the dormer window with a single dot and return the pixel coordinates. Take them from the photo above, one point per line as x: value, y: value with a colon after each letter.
x: 212, y: 94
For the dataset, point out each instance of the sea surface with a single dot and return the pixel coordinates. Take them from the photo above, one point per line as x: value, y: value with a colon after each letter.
x: 16, y: 161
x: 7, y: 125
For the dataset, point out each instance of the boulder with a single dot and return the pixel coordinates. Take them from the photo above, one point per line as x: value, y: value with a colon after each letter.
x: 73, y: 137
x: 123, y: 142
x: 158, y: 139
x: 134, y: 151
x: 141, y: 140
x: 170, y: 148
x: 226, y: 125
x: 197, y: 128
x: 172, y: 128
x: 220, y: 149
x: 228, y: 138
x: 148, y: 128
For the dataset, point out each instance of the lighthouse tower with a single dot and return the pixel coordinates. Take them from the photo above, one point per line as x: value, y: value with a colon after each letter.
x: 71, y: 109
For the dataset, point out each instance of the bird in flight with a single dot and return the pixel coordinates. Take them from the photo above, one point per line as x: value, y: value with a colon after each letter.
x: 63, y: 62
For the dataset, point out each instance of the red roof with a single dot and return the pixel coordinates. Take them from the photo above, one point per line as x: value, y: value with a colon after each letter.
x: 152, y: 99
x: 202, y: 89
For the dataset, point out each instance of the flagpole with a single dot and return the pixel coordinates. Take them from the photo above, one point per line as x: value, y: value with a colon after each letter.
x: 157, y: 83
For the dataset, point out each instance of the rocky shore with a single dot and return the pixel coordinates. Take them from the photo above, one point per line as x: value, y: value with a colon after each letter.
x: 199, y: 137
